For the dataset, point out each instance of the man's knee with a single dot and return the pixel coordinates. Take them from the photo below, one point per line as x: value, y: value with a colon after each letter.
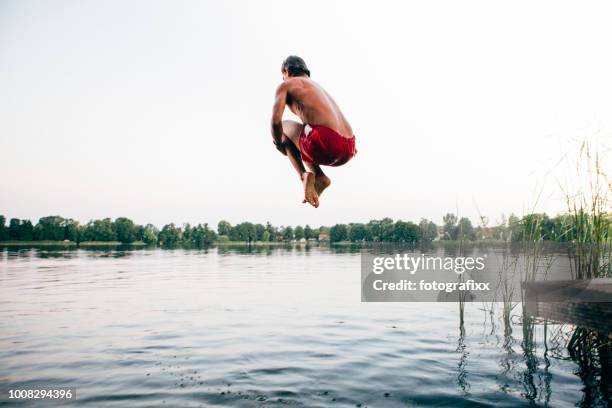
x: 291, y: 123
x: 292, y: 131
x: 292, y: 128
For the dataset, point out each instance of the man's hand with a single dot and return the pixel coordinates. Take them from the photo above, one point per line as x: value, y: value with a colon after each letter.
x: 278, y: 138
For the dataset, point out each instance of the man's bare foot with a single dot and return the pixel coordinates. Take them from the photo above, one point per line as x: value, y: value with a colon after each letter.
x: 321, y: 183
x: 310, y: 192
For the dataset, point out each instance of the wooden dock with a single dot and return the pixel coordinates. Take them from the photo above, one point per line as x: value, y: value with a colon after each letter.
x: 583, y: 303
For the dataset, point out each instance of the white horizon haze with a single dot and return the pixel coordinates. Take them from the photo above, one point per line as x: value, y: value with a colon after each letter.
x: 160, y: 111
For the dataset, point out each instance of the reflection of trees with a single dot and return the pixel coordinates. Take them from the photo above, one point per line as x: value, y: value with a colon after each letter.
x: 531, y: 361
x: 508, y: 357
x: 253, y: 249
x: 592, y: 352
x: 546, y: 375
x: 534, y: 378
x: 462, y: 374
x: 345, y: 249
x: 462, y: 380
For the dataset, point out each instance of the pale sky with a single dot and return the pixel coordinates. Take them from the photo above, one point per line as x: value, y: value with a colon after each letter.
x: 160, y: 110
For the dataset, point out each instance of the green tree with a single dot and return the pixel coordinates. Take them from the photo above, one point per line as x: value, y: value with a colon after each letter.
x: 450, y: 224
x: 187, y: 237
x: 381, y: 230
x: 358, y: 232
x: 87, y: 232
x: 170, y: 235
x: 139, y: 231
x: 536, y: 227
x: 149, y: 235
x: 126, y: 230
x: 465, y: 229
x: 515, y: 228
x: 49, y: 229
x: 406, y: 232
x: 72, y: 230
x: 288, y: 233
x: 3, y: 229
x: 272, y: 232
x: 309, y: 233
x: 338, y: 232
x: 26, y: 230
x: 14, y: 229
x: 20, y: 230
x: 298, y: 233
x: 210, y: 236
x: 387, y: 230
x: 375, y: 230
x: 101, y: 230
x: 259, y: 232
x: 562, y: 230
x: 238, y: 233
x: 245, y: 231
x: 428, y: 230
x: 234, y: 233
x: 224, y: 228
x: 202, y: 236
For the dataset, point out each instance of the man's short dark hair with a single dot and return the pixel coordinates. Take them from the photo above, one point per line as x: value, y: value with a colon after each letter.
x: 295, y: 66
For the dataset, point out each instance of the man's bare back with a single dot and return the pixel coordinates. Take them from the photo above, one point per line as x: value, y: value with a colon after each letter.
x: 323, y: 138
x: 311, y: 103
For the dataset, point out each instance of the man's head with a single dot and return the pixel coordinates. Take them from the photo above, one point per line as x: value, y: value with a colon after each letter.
x: 294, y: 66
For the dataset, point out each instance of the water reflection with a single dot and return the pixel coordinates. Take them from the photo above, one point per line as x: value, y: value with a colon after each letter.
x: 592, y: 352
x: 462, y: 374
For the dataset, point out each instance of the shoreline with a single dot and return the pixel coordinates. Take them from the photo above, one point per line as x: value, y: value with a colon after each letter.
x: 72, y: 244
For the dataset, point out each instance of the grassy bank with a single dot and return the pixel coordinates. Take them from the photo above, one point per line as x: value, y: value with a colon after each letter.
x: 37, y: 243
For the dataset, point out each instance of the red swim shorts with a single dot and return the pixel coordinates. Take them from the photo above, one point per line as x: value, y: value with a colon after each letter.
x: 324, y: 146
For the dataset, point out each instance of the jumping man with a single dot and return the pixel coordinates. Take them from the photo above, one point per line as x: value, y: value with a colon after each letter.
x: 323, y: 138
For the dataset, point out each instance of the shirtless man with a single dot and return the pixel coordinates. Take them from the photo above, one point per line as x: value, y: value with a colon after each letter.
x: 323, y: 138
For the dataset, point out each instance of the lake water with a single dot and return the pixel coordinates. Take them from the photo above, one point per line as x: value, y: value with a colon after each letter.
x: 266, y: 327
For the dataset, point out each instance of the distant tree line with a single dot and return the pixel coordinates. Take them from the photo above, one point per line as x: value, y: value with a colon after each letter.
x: 124, y: 230
x: 384, y: 230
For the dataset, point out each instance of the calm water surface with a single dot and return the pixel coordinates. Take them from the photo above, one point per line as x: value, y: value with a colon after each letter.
x: 274, y: 327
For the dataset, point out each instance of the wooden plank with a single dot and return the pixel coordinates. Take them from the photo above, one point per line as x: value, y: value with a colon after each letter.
x: 584, y: 303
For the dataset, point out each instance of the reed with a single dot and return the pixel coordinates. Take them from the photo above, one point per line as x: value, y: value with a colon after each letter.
x: 588, y: 224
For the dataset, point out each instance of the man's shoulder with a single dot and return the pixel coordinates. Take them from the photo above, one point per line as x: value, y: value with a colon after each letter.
x: 296, y: 83
x: 286, y: 86
x: 295, y: 86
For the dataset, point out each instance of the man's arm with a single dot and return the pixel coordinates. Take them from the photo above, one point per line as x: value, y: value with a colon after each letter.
x: 277, y: 117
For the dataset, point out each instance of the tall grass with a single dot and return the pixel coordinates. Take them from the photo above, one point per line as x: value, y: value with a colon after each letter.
x: 589, y: 220
x: 588, y: 229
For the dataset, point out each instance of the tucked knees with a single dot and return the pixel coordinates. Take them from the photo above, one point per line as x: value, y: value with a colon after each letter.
x: 292, y: 131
